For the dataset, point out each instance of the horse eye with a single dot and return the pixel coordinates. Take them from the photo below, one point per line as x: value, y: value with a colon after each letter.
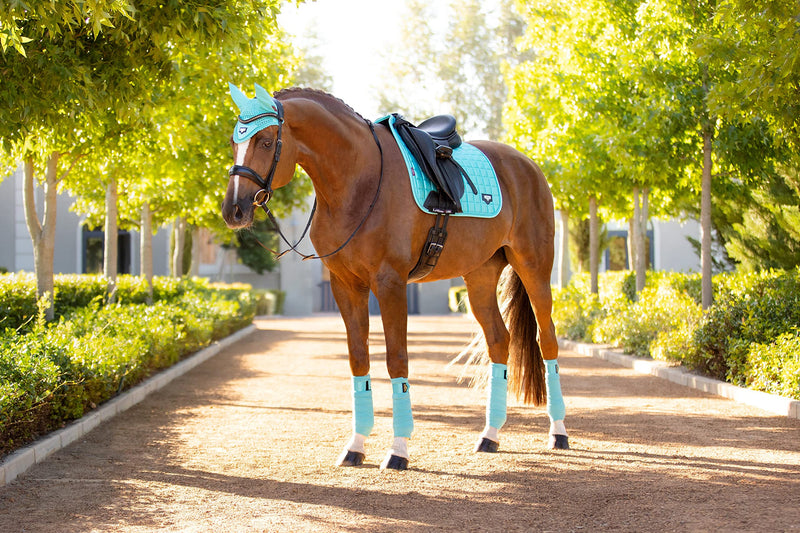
x: 266, y: 143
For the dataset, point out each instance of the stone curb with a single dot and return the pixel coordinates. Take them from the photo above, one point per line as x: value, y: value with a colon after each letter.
x: 24, y: 458
x: 769, y: 402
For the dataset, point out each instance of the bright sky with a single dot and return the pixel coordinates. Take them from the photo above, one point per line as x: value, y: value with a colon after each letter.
x: 353, y: 34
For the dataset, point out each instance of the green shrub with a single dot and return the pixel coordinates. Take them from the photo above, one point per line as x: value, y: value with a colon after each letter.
x: 27, y: 385
x: 628, y: 287
x: 775, y: 367
x: 575, y: 312
x: 457, y: 299
x: 269, y: 302
x: 750, y: 308
x: 78, y: 290
x: 51, y: 373
x: 17, y: 300
x: 748, y: 337
x: 659, y: 311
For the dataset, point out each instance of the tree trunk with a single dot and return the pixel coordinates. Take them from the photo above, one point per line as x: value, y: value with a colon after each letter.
x: 43, y: 234
x: 195, y: 268
x: 635, y: 230
x: 594, y: 244
x: 631, y: 243
x: 705, y: 223
x: 705, y: 201
x: 641, y: 248
x: 179, y: 234
x: 111, y: 239
x: 563, y: 256
x: 146, y: 250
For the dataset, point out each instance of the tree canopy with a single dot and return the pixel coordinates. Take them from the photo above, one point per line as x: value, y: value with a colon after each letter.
x: 134, y: 91
x: 624, y: 94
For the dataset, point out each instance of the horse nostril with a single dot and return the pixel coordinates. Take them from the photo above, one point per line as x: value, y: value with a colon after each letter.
x: 238, y: 215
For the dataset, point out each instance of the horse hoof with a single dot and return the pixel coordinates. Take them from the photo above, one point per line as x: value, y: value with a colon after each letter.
x: 559, y: 442
x: 395, y: 462
x: 351, y: 458
x: 487, y: 445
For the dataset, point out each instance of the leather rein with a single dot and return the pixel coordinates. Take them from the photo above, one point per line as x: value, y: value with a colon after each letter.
x: 263, y: 195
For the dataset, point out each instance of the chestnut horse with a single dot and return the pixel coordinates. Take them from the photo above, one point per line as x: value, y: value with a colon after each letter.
x: 369, y: 232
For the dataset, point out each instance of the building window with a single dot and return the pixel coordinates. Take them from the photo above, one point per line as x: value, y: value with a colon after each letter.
x: 616, y: 256
x: 94, y: 248
x: 617, y: 252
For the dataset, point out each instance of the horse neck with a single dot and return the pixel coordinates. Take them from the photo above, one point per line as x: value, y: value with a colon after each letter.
x: 330, y: 150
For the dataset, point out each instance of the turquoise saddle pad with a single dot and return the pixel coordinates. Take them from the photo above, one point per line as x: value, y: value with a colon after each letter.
x: 486, y: 204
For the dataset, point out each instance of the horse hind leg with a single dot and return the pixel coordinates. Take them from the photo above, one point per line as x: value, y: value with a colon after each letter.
x: 482, y: 290
x: 537, y: 377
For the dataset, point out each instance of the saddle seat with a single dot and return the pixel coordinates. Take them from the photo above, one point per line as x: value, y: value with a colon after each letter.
x: 442, y: 128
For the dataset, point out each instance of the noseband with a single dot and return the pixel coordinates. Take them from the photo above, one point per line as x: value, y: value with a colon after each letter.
x: 263, y: 195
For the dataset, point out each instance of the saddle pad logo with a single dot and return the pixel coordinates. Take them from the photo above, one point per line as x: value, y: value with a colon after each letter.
x: 487, y: 198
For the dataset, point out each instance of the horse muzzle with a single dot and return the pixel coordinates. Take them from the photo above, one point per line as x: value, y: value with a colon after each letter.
x: 237, y: 214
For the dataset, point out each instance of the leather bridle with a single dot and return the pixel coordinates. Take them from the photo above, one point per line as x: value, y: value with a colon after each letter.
x: 263, y: 195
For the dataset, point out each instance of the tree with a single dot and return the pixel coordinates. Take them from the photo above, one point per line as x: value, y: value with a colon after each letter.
x: 563, y: 105
x: 100, y: 65
x: 458, y: 71
x: 757, y: 215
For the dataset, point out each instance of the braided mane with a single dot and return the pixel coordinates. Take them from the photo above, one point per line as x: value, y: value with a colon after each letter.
x: 321, y: 97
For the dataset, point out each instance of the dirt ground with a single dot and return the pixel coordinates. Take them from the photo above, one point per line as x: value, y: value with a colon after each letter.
x: 248, y: 441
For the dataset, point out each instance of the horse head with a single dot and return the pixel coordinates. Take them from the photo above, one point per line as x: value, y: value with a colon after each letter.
x: 257, y: 142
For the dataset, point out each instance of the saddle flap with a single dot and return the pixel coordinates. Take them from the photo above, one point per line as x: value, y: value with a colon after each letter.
x: 441, y: 169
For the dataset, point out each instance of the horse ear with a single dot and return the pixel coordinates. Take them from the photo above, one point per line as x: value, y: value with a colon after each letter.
x: 264, y: 97
x: 239, y: 98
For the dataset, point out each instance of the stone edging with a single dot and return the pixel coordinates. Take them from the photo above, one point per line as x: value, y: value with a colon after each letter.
x: 769, y: 402
x: 24, y: 458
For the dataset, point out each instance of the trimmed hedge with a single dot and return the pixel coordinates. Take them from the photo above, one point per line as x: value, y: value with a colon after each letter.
x: 73, y: 291
x: 749, y: 337
x: 53, y: 373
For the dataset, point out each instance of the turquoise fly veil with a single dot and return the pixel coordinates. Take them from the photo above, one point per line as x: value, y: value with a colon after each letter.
x: 255, y: 114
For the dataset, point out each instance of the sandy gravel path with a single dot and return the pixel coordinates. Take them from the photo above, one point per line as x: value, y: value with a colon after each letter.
x: 247, y: 442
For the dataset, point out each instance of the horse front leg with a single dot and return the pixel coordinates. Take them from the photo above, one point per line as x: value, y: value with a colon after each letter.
x: 353, y: 302
x: 390, y: 289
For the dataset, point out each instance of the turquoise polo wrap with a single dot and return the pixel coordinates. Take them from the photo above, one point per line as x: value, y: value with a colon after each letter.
x: 498, y: 391
x: 402, y: 421
x: 363, y: 412
x: 262, y: 106
x: 555, y: 401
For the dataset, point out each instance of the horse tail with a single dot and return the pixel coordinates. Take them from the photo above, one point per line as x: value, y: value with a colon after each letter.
x: 525, y: 363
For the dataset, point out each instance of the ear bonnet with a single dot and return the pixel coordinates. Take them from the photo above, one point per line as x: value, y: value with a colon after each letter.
x: 255, y: 114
